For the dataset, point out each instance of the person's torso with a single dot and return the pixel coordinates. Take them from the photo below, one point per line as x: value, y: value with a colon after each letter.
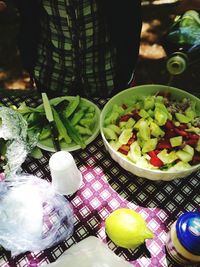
x: 74, y: 46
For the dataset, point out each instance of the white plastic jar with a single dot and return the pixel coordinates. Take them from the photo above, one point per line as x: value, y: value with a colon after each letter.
x: 183, y: 242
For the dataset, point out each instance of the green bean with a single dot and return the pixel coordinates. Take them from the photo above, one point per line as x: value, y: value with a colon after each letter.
x: 23, y: 108
x: 36, y: 153
x: 83, y: 130
x: 91, y: 109
x: 60, y: 126
x: 90, y: 115
x: 72, y: 106
x: 87, y: 122
x: 77, y: 117
x: 74, y: 134
x: 45, y: 133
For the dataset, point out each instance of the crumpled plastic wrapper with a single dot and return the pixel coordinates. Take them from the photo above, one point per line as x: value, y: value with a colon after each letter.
x: 33, y: 216
x: 14, y: 129
x: 186, y: 29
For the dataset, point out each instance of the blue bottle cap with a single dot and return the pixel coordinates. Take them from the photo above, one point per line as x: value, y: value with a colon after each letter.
x: 188, y: 231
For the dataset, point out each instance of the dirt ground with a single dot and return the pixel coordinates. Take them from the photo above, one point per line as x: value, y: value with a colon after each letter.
x: 151, y: 64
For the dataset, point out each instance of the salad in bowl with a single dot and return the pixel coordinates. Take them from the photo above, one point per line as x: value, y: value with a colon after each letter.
x: 153, y: 131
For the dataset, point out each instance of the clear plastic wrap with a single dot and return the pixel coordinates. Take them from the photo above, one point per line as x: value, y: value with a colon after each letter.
x: 32, y: 216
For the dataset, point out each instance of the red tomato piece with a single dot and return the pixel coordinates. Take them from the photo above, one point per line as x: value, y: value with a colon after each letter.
x: 131, y: 140
x: 153, y: 153
x: 163, y: 144
x: 169, y: 125
x: 125, y: 117
x: 135, y: 115
x: 193, y: 136
x: 156, y: 151
x: 191, y: 142
x: 170, y: 133
x: 155, y: 161
x: 124, y: 149
x: 180, y: 132
x: 196, y: 158
x: 182, y: 126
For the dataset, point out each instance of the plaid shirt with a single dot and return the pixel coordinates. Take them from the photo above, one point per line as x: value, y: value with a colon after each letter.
x: 74, y: 51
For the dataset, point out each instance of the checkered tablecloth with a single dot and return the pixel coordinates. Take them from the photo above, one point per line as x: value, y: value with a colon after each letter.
x: 106, y: 187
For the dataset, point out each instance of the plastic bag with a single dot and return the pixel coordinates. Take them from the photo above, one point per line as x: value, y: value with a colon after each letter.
x: 185, y: 30
x: 32, y: 216
x: 90, y: 252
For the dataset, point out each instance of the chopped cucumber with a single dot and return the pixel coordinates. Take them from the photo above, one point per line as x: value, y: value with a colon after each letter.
x: 144, y: 130
x: 160, y: 116
x: 112, y: 118
x: 167, y: 157
x: 118, y: 109
x: 143, y: 113
x: 143, y: 163
x: 140, y: 140
x: 193, y: 130
x: 159, y: 99
x: 162, y: 107
x: 135, y: 152
x: 189, y: 149
x: 110, y: 134
x: 182, y: 118
x: 151, y: 113
x: 129, y: 123
x: 115, y: 144
x: 149, y: 102
x: 125, y: 136
x: 180, y: 166
x: 176, y: 141
x: 184, y: 156
x: 190, y: 113
x: 122, y: 124
x: 149, y: 145
x: 156, y: 130
x: 138, y: 123
x: 115, y: 128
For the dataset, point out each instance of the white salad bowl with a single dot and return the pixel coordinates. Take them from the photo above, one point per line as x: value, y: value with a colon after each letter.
x: 123, y: 98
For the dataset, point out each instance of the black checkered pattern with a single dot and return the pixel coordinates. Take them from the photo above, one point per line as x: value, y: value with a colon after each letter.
x: 107, y: 186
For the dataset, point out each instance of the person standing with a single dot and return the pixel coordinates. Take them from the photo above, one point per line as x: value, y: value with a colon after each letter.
x: 86, y: 47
